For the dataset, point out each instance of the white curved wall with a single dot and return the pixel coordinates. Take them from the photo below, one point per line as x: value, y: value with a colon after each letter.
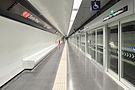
x: 18, y: 41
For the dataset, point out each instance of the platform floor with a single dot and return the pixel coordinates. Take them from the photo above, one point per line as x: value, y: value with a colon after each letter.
x: 81, y: 74
x: 40, y: 78
x: 84, y: 75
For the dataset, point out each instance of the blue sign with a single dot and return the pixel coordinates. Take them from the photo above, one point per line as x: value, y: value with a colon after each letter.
x: 95, y: 5
x: 133, y: 48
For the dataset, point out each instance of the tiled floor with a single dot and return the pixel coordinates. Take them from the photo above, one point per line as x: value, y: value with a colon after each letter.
x: 83, y: 75
x: 61, y: 77
x: 41, y: 78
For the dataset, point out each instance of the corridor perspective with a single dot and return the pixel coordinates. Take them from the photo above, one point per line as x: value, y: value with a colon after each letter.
x: 67, y: 44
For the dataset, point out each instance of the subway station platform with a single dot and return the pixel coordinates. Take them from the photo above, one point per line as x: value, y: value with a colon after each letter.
x: 85, y: 75
x: 81, y: 74
x: 42, y: 77
x: 67, y: 44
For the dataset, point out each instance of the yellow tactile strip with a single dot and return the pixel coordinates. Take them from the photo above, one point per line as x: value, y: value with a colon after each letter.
x: 61, y: 77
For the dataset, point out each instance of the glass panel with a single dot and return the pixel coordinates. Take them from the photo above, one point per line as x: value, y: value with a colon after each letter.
x: 100, y: 57
x: 93, y: 45
x: 83, y: 42
x: 113, y: 48
x: 128, y: 51
x: 83, y: 46
x: 89, y: 43
x: 78, y: 41
x: 100, y: 46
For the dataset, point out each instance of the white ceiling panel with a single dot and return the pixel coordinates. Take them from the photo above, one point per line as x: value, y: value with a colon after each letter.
x: 58, y: 12
x: 85, y: 13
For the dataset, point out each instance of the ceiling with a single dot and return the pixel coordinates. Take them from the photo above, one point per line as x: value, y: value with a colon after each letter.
x: 85, y: 13
x: 57, y: 12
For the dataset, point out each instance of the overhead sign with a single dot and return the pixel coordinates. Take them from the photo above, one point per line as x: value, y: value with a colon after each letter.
x: 115, y: 13
x: 95, y: 5
x: 26, y: 15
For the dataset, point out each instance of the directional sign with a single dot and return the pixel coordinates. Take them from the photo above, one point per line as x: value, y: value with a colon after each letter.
x: 95, y: 5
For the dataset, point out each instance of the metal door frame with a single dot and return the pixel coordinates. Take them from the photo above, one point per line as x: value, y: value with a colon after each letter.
x: 108, y: 69
x: 122, y: 21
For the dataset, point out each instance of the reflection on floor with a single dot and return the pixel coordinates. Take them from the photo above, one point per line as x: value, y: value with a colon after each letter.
x: 83, y: 75
x: 41, y: 78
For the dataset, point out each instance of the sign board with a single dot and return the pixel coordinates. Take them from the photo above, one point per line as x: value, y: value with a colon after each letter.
x: 116, y: 13
x: 25, y: 14
x: 95, y: 5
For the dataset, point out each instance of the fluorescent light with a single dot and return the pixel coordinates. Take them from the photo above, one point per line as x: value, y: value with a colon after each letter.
x: 73, y: 15
x: 70, y: 25
x: 77, y: 4
x: 75, y: 9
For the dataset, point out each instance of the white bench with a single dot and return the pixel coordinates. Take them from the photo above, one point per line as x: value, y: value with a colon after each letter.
x: 31, y: 61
